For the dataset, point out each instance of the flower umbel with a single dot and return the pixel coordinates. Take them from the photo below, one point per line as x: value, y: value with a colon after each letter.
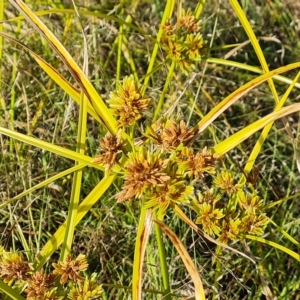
x: 182, y: 42
x: 39, y: 284
x: 110, y: 145
x: 173, y: 134
x: 225, y: 181
x: 254, y: 223
x: 230, y: 230
x: 249, y: 201
x: 127, y: 102
x: 70, y: 268
x: 143, y: 170
x: 195, y: 45
x: 86, y: 290
x: 188, y: 22
x: 172, y: 191
x: 13, y: 267
x: 195, y: 165
x: 209, y: 218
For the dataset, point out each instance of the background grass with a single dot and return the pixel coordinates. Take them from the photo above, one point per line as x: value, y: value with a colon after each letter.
x: 33, y: 104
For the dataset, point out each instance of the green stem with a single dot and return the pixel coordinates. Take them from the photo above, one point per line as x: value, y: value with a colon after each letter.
x: 218, y: 270
x: 120, y: 41
x: 163, y: 262
x: 77, y: 181
x: 162, y: 96
x: 167, y: 14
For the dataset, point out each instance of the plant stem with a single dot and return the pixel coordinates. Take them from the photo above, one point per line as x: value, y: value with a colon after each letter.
x: 77, y: 181
x: 120, y: 41
x: 138, y: 257
x: 218, y: 270
x: 162, y: 96
x: 167, y: 14
x: 163, y: 262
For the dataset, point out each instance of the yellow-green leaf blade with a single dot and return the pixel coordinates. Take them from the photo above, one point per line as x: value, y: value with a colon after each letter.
x: 7, y: 290
x: 284, y: 233
x: 258, y: 145
x: 55, y: 75
x: 235, y: 64
x: 84, y: 13
x: 274, y: 245
x: 254, y: 41
x: 84, y: 159
x: 243, y: 134
x: 237, y: 94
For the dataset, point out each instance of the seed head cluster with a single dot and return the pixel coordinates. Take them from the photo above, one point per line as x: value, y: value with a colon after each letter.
x: 127, y: 102
x: 64, y: 282
x: 183, y: 42
x: 110, y: 146
x: 166, y: 171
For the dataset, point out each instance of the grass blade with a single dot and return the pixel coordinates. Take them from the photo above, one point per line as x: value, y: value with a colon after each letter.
x: 84, y: 159
x: 104, y: 114
x: 81, y: 140
x: 254, y: 41
x: 83, y: 13
x: 142, y: 237
x: 55, y: 241
x: 278, y: 202
x: 237, y: 94
x: 55, y: 75
x: 43, y: 184
x: 285, y: 234
x: 256, y: 149
x: 7, y: 290
x: 189, y: 265
x: 253, y: 69
x: 243, y: 134
x: 274, y: 245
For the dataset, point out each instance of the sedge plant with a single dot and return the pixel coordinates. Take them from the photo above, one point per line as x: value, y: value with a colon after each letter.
x: 149, y: 156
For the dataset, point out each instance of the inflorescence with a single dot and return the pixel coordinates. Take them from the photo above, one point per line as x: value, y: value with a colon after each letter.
x: 183, y: 41
x: 165, y: 171
x: 64, y: 282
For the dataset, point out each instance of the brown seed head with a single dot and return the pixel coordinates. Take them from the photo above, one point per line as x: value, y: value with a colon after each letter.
x: 38, y: 284
x: 70, y: 268
x: 110, y: 145
x: 143, y: 170
x: 13, y: 267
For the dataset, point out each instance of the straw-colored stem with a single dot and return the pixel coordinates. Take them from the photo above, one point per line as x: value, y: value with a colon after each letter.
x: 137, y: 262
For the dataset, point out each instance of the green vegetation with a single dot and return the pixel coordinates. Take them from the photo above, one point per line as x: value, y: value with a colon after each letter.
x: 149, y: 150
